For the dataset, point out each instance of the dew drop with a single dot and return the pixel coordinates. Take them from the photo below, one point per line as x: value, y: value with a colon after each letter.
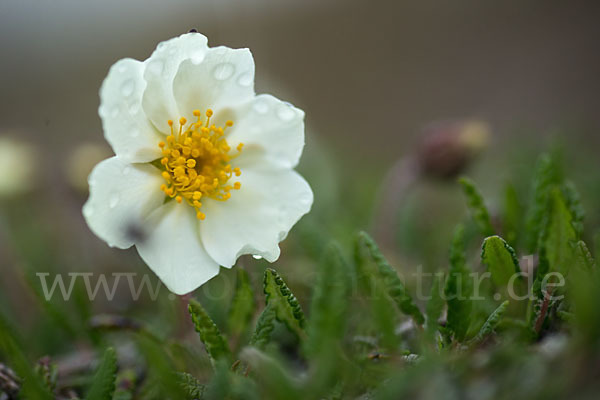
x: 113, y: 200
x: 257, y: 257
x: 127, y: 87
x: 197, y: 57
x: 88, y: 211
x: 261, y: 106
x: 245, y: 79
x: 156, y: 67
x: 285, y: 112
x: 134, y: 108
x: 223, y: 71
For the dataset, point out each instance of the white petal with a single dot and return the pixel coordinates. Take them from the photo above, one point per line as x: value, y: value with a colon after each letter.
x: 173, y: 249
x: 223, y: 79
x: 158, y: 101
x: 270, y: 125
x: 121, y: 196
x: 125, y: 125
x: 256, y: 217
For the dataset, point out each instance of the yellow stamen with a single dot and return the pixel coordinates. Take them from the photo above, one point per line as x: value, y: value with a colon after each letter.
x: 197, y: 162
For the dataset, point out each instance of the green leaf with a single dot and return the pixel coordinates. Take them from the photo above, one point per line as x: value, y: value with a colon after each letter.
x: 500, y: 259
x: 192, y: 386
x: 286, y: 306
x: 513, y: 215
x: 32, y: 385
x: 215, y: 344
x: 435, y: 306
x: 458, y: 287
x: 490, y: 324
x: 477, y: 206
x: 242, y: 305
x: 394, y: 286
x: 573, y: 204
x: 585, y: 261
x: 559, y: 235
x: 545, y: 177
x: 103, y: 385
x: 264, y: 327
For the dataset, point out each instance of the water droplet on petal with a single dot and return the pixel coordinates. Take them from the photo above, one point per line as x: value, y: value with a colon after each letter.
x: 88, y: 211
x: 223, y: 71
x: 134, y: 108
x: 197, y: 57
x: 127, y: 87
x: 261, y: 106
x: 156, y: 67
x: 257, y: 257
x: 245, y: 79
x: 285, y: 112
x: 113, y: 200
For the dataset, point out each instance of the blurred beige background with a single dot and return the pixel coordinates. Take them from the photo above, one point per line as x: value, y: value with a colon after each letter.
x: 370, y: 74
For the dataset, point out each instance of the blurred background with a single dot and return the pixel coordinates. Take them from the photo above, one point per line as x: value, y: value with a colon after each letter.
x: 375, y: 78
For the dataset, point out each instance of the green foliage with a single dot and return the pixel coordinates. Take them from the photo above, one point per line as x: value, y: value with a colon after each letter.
x: 394, y: 286
x: 32, y: 384
x: 192, y: 386
x: 242, y: 306
x: 435, y: 306
x: 500, y: 259
x: 215, y: 344
x: 282, y: 300
x: 546, y: 176
x: 458, y: 288
x: 372, y: 343
x: 490, y: 324
x: 264, y: 327
x: 477, y: 206
x: 560, y: 236
x: 103, y: 385
x: 513, y: 215
x: 329, y: 302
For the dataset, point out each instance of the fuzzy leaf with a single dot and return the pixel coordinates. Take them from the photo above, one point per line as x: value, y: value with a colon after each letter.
x: 215, y: 344
x: 435, y: 305
x: 329, y: 301
x: 394, y: 286
x: 103, y: 385
x: 286, y: 306
x: 242, y: 305
x: 458, y: 288
x: 500, y: 259
x: 264, y: 328
x: 491, y: 323
x: 32, y: 385
x: 477, y: 206
x: 585, y: 260
x: 513, y: 215
x: 560, y: 236
x: 192, y: 386
x: 573, y: 204
x: 545, y: 177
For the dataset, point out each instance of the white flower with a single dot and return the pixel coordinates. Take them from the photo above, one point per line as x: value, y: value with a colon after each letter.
x: 203, y: 171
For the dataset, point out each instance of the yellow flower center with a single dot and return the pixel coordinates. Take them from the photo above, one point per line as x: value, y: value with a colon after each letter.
x: 197, y: 163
